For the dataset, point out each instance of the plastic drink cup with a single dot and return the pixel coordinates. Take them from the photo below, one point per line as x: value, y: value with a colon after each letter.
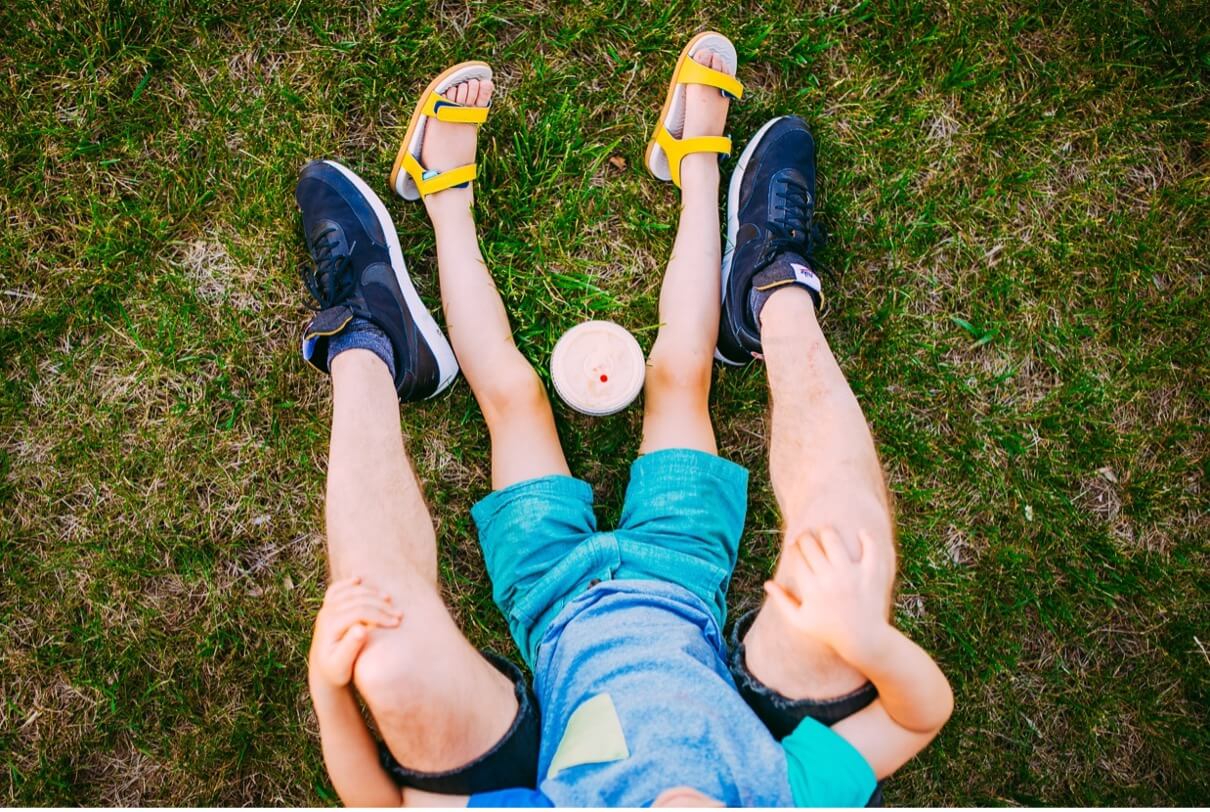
x: 598, y: 368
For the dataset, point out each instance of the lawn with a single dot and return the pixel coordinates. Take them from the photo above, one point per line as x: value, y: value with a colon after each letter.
x: 1017, y: 196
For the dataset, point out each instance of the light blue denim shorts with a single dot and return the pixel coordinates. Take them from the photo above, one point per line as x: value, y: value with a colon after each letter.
x: 681, y: 522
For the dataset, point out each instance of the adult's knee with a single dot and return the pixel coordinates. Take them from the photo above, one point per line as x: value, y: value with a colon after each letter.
x: 847, y: 509
x: 394, y: 672
x: 436, y: 702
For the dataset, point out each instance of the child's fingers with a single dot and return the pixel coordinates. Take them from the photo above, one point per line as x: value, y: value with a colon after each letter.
x: 341, y: 587
x: 833, y: 546
x: 794, y: 567
x: 878, y: 559
x: 368, y: 614
x: 356, y: 594
x: 780, y: 598
x: 867, y: 553
x: 345, y: 651
x: 812, y: 553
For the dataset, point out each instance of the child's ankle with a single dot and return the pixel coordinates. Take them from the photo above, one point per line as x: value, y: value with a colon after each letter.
x: 449, y: 203
x: 699, y: 170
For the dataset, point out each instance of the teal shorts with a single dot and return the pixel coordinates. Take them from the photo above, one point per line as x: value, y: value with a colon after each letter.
x: 681, y: 523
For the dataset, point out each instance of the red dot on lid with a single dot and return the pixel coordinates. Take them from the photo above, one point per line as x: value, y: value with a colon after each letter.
x: 604, y: 378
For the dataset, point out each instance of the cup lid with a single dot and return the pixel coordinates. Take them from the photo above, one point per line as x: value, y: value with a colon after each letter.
x: 598, y: 368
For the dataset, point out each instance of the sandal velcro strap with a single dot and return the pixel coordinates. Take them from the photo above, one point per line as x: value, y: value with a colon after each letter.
x: 677, y: 148
x: 701, y: 143
x: 442, y: 109
x: 695, y: 73
x: 429, y: 183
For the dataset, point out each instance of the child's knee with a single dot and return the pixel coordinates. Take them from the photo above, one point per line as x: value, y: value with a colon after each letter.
x: 512, y: 387
x: 673, y: 368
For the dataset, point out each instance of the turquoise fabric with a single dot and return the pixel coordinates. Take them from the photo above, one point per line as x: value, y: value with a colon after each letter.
x: 654, y: 650
x: 681, y: 523
x: 825, y: 770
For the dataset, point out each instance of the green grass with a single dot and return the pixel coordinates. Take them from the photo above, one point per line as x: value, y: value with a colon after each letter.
x: 1018, y: 200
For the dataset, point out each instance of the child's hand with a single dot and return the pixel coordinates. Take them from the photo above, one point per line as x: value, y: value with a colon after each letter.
x: 342, y: 627
x: 823, y: 592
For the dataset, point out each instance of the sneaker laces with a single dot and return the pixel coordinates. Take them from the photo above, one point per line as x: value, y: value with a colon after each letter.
x: 795, y: 231
x: 331, y: 282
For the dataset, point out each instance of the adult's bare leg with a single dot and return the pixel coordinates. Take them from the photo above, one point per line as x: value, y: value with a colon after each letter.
x: 438, y: 704
x: 825, y: 473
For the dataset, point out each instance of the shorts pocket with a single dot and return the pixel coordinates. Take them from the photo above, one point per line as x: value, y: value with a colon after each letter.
x: 596, y: 558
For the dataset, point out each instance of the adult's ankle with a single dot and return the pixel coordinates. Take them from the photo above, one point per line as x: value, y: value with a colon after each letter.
x: 789, y: 309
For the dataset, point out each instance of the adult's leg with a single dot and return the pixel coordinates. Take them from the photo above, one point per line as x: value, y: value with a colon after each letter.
x: 438, y: 704
x: 677, y: 391
x: 525, y: 444
x: 825, y: 473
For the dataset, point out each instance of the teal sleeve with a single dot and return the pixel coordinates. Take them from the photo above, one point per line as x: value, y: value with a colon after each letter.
x: 825, y: 770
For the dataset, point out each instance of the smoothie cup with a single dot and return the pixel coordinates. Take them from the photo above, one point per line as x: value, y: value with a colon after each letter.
x: 598, y: 368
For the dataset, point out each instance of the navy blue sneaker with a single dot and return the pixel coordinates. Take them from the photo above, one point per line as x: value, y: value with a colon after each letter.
x: 771, y: 234
x: 359, y: 273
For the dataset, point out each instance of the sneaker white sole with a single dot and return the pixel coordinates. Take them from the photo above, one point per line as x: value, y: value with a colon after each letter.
x: 737, y: 179
x: 447, y: 364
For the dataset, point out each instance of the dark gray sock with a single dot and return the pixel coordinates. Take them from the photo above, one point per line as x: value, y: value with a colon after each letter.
x: 361, y: 334
x: 787, y: 270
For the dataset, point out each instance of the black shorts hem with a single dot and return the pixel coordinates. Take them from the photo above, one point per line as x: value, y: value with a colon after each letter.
x: 782, y: 714
x: 511, y: 762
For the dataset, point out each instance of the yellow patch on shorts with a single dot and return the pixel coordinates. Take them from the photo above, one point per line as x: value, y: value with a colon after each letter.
x: 593, y: 736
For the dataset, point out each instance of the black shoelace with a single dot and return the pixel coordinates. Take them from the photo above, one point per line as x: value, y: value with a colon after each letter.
x: 331, y: 281
x: 795, y: 231
x: 797, y: 208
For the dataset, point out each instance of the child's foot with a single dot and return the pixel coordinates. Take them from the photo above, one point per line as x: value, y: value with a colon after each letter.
x: 448, y: 145
x: 705, y: 114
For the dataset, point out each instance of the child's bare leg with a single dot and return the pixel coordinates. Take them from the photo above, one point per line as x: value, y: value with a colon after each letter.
x: 525, y: 443
x: 825, y: 473
x: 438, y: 704
x: 676, y: 411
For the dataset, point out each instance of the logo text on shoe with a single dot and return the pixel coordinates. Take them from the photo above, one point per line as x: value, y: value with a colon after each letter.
x: 806, y: 276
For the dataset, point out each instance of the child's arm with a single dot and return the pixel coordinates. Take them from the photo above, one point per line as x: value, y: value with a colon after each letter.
x: 914, y: 702
x: 827, y: 595
x: 350, y: 753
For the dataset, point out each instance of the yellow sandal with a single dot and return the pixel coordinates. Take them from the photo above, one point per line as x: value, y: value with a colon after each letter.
x: 666, y: 147
x: 415, y: 182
